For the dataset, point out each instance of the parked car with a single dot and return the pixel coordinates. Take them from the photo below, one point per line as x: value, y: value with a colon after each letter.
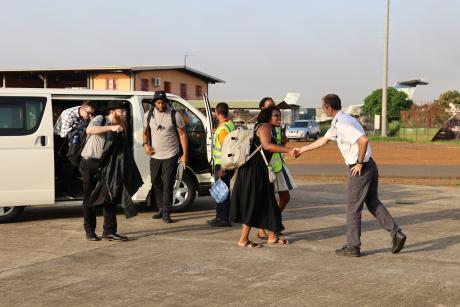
x: 304, y: 130
x: 29, y: 151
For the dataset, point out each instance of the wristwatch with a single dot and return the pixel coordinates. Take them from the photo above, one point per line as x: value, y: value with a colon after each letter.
x: 359, y: 162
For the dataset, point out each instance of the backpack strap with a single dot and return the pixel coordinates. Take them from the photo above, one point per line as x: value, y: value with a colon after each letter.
x: 174, y: 122
x: 150, y: 115
x: 173, y: 118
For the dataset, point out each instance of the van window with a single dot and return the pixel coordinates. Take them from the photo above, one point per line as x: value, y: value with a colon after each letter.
x: 20, y: 115
x: 192, y: 122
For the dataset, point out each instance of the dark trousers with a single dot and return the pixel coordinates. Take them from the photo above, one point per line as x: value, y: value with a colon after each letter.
x: 163, y: 175
x: 362, y: 190
x: 88, y: 169
x: 223, y: 209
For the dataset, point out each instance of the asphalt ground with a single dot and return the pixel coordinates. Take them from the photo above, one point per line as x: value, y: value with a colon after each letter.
x: 45, y: 260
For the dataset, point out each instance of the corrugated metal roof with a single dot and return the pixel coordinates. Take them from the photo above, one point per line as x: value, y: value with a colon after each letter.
x: 187, y: 69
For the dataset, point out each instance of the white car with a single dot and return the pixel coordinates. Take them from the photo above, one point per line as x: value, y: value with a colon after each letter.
x: 304, y: 130
x: 29, y: 170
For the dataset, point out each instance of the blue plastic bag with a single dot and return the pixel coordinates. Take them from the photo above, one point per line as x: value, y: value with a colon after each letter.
x: 219, y: 191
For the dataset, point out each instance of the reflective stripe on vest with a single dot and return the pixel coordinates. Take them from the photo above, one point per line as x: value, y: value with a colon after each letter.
x: 276, y: 162
x: 228, y: 126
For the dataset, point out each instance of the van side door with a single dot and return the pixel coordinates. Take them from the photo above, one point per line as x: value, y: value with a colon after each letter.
x: 26, y: 150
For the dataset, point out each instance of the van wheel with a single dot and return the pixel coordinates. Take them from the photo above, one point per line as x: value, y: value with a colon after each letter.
x: 184, y: 193
x: 8, y: 214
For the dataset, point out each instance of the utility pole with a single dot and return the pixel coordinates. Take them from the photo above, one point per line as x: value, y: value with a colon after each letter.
x: 385, y: 72
x: 185, y: 58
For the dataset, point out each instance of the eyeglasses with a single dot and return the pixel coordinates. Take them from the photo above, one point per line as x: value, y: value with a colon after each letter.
x: 88, y: 112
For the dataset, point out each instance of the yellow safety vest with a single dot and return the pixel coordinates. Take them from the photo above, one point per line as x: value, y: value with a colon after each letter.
x: 276, y: 162
x: 229, y: 126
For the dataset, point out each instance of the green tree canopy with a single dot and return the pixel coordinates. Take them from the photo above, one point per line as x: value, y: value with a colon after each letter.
x: 448, y: 97
x: 397, y: 102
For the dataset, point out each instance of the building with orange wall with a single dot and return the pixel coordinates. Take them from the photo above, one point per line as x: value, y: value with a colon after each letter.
x: 183, y: 81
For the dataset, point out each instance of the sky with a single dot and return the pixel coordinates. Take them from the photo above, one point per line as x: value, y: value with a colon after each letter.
x: 260, y: 48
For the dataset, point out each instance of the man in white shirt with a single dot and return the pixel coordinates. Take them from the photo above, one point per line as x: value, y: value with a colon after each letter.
x: 362, y: 185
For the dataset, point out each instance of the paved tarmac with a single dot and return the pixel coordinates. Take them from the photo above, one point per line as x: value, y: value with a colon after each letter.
x: 45, y: 260
x: 400, y: 171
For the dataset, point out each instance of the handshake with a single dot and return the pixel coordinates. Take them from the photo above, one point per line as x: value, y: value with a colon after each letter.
x: 295, y: 152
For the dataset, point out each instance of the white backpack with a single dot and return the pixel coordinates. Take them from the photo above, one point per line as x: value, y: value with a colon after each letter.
x: 236, y: 149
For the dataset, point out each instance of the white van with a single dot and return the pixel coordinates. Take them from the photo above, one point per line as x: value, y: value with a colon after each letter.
x: 31, y: 164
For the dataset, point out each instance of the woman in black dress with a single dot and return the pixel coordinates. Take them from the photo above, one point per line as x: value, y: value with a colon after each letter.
x: 253, y: 201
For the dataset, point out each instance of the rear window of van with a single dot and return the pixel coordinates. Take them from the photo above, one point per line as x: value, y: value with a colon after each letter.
x: 20, y: 115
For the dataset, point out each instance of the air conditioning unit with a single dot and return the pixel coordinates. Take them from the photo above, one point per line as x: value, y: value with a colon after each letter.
x: 156, y: 81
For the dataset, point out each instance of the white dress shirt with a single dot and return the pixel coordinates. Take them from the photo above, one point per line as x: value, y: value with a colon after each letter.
x: 346, y: 131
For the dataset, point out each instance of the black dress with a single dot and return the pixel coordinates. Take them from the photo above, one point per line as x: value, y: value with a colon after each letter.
x: 253, y: 200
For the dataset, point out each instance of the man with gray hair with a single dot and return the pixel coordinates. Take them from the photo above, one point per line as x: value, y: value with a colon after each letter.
x: 362, y: 186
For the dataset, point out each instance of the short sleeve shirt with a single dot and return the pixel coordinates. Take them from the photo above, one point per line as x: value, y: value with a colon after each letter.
x: 164, y: 137
x: 346, y: 131
x: 94, y: 146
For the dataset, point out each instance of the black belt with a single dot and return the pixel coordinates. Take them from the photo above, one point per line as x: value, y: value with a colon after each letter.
x: 90, y: 159
x: 353, y: 165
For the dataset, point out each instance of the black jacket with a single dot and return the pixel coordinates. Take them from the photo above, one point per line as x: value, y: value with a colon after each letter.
x: 118, y: 177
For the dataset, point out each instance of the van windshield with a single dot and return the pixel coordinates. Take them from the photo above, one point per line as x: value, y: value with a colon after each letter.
x: 299, y: 125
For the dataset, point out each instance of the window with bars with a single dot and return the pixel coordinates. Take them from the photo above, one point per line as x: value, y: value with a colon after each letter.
x: 111, y: 84
x: 167, y: 87
x: 198, y: 91
x: 144, y: 84
x: 183, y: 90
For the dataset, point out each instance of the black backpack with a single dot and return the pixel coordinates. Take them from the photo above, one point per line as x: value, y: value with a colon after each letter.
x: 77, y: 140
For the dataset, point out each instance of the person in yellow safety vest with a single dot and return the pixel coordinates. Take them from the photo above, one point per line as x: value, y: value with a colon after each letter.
x: 284, y: 181
x: 223, y: 129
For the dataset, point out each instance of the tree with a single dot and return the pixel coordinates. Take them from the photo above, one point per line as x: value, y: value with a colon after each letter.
x: 397, y: 102
x: 448, y: 97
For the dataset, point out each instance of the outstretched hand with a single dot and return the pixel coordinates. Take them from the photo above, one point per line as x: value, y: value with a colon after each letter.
x: 295, y: 152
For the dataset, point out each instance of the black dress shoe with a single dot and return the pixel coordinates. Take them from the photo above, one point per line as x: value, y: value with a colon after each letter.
x: 158, y: 215
x: 220, y: 223
x: 398, y: 242
x: 167, y: 219
x: 92, y: 237
x: 114, y: 237
x: 213, y: 220
x: 352, y: 251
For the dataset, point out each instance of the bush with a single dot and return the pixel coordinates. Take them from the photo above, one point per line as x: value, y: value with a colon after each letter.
x: 397, y: 102
x: 394, y: 128
x: 323, y: 127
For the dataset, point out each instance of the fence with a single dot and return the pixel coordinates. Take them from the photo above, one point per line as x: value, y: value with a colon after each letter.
x: 424, y: 123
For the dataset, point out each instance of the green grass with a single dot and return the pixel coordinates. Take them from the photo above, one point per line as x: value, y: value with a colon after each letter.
x: 390, y: 139
x: 396, y: 139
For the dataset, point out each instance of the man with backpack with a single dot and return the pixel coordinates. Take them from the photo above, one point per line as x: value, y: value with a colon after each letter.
x: 223, y: 129
x: 72, y: 117
x: 70, y: 137
x: 164, y: 137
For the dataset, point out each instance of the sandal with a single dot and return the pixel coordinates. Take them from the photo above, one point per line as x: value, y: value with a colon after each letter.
x: 265, y: 238
x: 248, y: 244
x: 278, y: 242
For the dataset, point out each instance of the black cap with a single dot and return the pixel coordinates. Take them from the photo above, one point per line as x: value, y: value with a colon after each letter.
x: 116, y: 104
x: 160, y: 95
